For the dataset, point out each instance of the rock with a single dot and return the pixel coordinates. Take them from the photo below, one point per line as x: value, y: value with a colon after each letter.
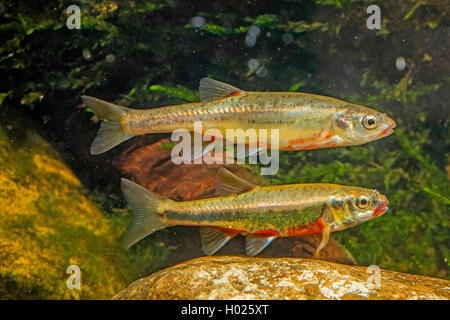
x: 48, y: 222
x: 232, y: 277
x: 151, y: 167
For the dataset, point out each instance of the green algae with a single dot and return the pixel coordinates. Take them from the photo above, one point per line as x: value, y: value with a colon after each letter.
x: 48, y: 222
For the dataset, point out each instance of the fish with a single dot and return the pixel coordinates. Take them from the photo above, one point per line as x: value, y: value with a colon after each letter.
x: 261, y: 213
x: 304, y: 121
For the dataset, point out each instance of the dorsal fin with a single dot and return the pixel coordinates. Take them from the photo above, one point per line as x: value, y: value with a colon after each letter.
x: 228, y: 183
x: 211, y: 89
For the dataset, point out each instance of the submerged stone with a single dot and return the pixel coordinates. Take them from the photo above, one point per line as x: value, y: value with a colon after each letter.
x: 233, y: 277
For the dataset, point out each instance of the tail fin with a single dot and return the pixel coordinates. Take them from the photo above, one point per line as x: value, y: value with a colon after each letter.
x: 111, y: 131
x: 146, y: 206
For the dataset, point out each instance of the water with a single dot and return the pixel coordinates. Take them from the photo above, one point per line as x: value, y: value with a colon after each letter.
x: 152, y: 54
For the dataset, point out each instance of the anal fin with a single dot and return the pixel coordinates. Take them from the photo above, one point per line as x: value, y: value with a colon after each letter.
x: 213, y: 239
x: 254, y: 243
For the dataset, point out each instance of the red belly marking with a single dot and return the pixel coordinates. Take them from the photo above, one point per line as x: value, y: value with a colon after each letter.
x: 315, y: 227
x: 267, y: 232
x: 318, y: 140
x: 229, y: 231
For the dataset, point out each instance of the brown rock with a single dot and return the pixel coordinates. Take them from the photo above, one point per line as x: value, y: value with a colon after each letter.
x: 231, y: 277
x: 152, y: 167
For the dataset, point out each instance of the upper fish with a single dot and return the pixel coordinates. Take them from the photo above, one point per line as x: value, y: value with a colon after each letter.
x: 304, y: 121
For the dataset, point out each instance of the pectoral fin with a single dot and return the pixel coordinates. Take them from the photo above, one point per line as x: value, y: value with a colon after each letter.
x: 249, y: 152
x: 255, y: 152
x: 213, y: 239
x: 323, y: 242
x: 254, y: 244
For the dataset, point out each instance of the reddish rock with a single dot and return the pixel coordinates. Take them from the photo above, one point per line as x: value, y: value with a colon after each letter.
x: 152, y: 167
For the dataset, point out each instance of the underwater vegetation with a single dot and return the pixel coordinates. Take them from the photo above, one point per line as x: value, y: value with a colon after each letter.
x: 153, y: 53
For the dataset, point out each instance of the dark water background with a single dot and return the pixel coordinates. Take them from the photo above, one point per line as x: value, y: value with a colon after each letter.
x: 153, y: 53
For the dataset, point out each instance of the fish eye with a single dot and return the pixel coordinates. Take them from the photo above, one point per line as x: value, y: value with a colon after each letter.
x: 370, y: 122
x: 362, y: 202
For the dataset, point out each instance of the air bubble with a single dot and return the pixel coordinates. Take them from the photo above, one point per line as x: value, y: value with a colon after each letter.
x: 400, y: 63
x: 254, y: 31
x: 348, y: 68
x: 251, y: 36
x: 253, y: 64
x: 87, y: 54
x: 262, y: 72
x: 198, y: 22
x: 287, y: 38
x: 110, y: 58
x: 250, y: 40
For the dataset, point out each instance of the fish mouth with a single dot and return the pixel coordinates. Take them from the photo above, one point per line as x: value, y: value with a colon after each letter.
x: 382, y: 208
x: 389, y: 130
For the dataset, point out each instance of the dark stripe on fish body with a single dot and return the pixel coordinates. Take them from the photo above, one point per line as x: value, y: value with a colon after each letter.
x: 256, y: 217
x: 256, y: 106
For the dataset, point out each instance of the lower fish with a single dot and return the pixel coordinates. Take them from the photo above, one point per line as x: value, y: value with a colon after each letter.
x: 262, y: 213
